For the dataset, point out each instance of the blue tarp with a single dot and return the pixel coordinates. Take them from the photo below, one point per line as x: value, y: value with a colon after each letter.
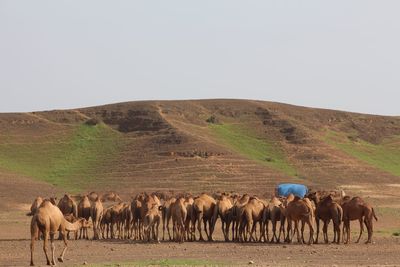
x: 284, y: 190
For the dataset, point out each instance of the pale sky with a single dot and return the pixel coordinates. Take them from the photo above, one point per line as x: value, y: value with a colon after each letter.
x: 331, y: 54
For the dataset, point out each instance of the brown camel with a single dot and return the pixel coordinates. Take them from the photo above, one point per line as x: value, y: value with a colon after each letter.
x: 203, y: 210
x: 357, y: 209
x: 84, y: 208
x: 67, y: 205
x: 48, y: 220
x: 105, y: 223
x: 96, y: 213
x: 223, y: 209
x: 299, y: 210
x: 326, y: 210
x: 136, y: 207
x: 111, y: 196
x: 116, y: 219
x: 179, y: 214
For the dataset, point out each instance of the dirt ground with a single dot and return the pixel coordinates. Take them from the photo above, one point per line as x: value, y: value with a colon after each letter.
x: 14, y: 240
x: 128, y: 253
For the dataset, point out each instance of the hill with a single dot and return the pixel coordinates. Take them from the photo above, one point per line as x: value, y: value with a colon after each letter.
x: 198, y: 145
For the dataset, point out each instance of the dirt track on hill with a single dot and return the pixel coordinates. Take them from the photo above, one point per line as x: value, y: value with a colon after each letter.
x: 383, y: 253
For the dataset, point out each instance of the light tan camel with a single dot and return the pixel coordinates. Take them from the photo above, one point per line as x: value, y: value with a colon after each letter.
x: 48, y: 220
x: 223, y: 209
x: 151, y: 222
x: 273, y: 213
x: 203, y: 210
x: 84, y: 208
x: 150, y: 213
x: 357, y: 209
x: 190, y: 229
x: 179, y: 214
x: 96, y: 213
x: 93, y: 196
x: 237, y: 211
x: 35, y: 205
x: 166, y: 216
x: 252, y: 214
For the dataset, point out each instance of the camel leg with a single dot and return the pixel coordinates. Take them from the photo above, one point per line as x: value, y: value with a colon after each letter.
x: 302, y: 232
x: 325, y: 232
x: 361, y: 229
x: 296, y: 230
x: 61, y: 258
x: 53, y: 248
x: 348, y: 233
x: 317, y: 222
x: 311, y: 239
x: 45, y: 238
x: 33, y: 237
x: 368, y: 224
x: 199, y: 220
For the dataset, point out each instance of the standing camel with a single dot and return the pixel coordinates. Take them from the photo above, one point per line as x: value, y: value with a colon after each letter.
x: 327, y: 210
x: 48, y: 220
x: 357, y: 209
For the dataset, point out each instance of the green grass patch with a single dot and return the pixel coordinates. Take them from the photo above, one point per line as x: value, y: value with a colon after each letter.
x: 70, y: 162
x: 245, y: 142
x: 384, y: 156
x: 163, y: 262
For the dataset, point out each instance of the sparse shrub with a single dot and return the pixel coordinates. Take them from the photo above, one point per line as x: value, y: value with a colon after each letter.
x: 396, y: 233
x: 212, y: 119
x: 92, y: 122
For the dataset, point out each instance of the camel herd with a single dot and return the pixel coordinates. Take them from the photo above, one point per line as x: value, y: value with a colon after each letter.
x: 244, y: 218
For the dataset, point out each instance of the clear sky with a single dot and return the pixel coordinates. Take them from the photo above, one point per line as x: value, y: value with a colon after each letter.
x: 331, y: 54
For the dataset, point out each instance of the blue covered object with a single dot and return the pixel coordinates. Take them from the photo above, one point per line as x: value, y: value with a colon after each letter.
x: 283, y: 190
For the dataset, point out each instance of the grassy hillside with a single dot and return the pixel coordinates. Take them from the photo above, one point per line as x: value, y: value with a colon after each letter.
x: 163, y: 145
x: 384, y: 156
x: 69, y: 162
x: 244, y: 141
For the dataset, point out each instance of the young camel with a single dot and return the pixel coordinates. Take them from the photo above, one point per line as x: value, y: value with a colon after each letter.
x: 84, y: 208
x: 357, y: 209
x: 48, y: 220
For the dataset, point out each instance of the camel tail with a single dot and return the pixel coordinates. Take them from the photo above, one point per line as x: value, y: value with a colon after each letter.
x: 34, y: 228
x: 29, y: 214
x: 373, y: 214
